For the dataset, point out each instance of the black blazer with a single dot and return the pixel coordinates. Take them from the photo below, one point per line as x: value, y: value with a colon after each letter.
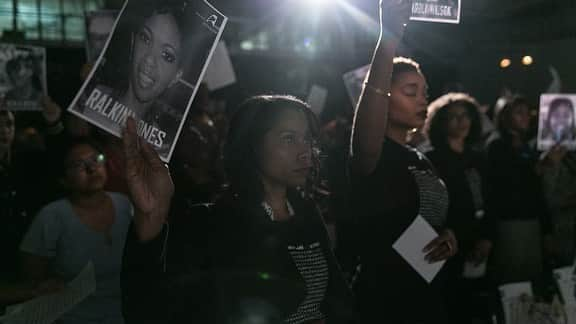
x: 222, y: 262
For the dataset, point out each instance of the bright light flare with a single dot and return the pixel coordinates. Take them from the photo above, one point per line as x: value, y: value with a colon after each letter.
x: 314, y: 4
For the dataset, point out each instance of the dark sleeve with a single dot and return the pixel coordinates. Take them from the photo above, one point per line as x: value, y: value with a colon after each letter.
x: 545, y: 214
x: 489, y: 223
x: 144, y: 282
x: 167, y: 279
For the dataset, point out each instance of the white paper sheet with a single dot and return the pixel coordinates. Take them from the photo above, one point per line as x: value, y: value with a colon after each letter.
x: 565, y: 280
x: 515, y: 290
x: 46, y: 309
x: 220, y: 72
x: 410, y: 246
x: 317, y: 99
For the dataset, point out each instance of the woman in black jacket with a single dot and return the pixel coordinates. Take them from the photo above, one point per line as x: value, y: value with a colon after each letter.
x: 259, y: 254
x: 453, y: 127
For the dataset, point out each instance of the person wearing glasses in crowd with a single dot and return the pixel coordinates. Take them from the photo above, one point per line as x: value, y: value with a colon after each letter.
x: 88, y: 225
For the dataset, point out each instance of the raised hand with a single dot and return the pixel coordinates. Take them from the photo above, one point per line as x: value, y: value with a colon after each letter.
x: 394, y: 16
x: 149, y: 182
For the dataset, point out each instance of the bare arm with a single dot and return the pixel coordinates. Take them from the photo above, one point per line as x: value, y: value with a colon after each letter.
x: 371, y: 115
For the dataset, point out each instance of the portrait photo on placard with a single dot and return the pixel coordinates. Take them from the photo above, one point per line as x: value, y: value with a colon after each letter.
x: 151, y: 68
x: 557, y: 124
x: 22, y: 76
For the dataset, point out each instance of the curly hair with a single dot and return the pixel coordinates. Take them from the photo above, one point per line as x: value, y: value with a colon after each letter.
x: 248, y: 126
x: 403, y: 65
x: 436, y: 123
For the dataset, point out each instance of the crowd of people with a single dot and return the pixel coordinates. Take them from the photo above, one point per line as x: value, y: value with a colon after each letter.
x: 266, y: 216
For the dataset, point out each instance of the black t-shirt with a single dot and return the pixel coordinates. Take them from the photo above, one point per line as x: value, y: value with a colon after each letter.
x: 386, y: 202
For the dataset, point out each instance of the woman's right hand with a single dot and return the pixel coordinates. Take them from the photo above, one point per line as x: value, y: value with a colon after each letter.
x: 394, y: 16
x: 149, y: 182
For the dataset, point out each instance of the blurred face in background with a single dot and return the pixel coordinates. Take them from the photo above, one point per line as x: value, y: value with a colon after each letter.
x: 7, y: 128
x: 98, y: 30
x: 21, y: 72
x: 519, y: 118
x: 458, y: 121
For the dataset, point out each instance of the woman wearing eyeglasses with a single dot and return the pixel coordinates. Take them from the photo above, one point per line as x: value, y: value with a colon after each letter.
x: 88, y: 225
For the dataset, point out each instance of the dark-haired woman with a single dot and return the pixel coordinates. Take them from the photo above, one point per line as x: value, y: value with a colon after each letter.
x: 88, y: 226
x: 259, y: 254
x: 393, y: 185
x: 454, y: 130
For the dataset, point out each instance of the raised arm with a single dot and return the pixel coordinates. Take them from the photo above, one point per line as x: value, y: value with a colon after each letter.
x: 149, y: 182
x: 371, y: 115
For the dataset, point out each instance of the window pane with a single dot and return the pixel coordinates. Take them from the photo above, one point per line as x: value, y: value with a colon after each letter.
x: 92, y: 5
x: 51, y: 27
x: 28, y: 18
x: 75, y: 28
x: 5, y: 15
x: 72, y: 7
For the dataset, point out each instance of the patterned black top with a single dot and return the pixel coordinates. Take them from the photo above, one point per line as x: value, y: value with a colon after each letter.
x: 230, y: 263
x: 386, y: 202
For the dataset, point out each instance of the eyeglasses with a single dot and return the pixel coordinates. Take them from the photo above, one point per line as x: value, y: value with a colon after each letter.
x: 88, y: 164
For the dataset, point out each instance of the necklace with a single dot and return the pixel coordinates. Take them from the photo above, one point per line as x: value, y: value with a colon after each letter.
x: 270, y: 212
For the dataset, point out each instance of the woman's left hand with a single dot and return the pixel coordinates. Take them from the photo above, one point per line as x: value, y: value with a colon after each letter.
x: 441, y: 248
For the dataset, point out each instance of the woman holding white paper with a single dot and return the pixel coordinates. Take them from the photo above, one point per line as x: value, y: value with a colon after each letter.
x: 454, y: 129
x: 89, y: 225
x: 393, y: 185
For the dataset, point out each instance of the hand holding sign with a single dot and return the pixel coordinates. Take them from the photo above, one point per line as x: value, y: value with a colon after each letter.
x: 149, y: 182
x: 394, y: 15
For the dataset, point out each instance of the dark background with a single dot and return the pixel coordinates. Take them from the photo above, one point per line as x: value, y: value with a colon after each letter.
x: 464, y: 56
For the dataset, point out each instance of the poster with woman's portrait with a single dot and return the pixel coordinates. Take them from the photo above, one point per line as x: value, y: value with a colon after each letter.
x: 150, y: 69
x: 557, y: 122
x: 22, y: 76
